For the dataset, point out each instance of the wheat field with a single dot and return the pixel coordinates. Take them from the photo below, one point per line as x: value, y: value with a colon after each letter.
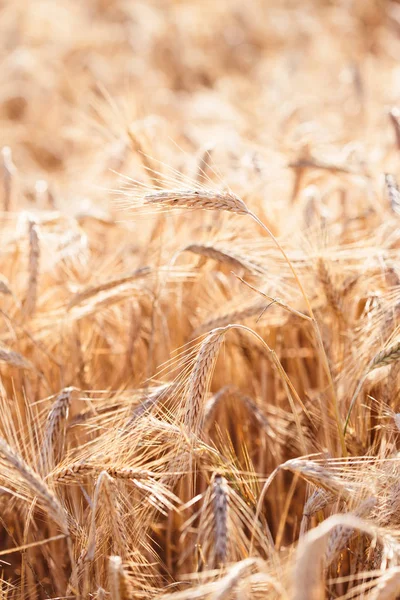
x: 199, y: 299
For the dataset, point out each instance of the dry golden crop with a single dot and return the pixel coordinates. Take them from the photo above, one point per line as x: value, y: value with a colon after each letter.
x: 200, y: 299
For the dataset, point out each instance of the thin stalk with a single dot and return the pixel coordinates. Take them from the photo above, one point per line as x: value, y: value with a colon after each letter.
x: 316, y: 330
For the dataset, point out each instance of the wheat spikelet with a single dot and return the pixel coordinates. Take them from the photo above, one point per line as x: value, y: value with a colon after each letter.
x: 34, y: 257
x: 225, y: 256
x: 196, y: 199
x: 199, y: 379
x: 54, y: 433
x: 107, y: 285
x: 14, y: 359
x: 386, y: 356
x: 74, y: 472
x: 128, y: 473
x: 318, y: 474
x: 331, y: 293
x: 221, y: 507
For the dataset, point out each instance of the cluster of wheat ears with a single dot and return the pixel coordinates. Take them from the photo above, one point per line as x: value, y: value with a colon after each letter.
x: 199, y: 299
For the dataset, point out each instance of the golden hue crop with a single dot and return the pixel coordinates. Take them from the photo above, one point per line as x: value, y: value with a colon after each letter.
x: 199, y: 299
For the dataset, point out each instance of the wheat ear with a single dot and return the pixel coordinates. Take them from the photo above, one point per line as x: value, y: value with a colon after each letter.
x: 222, y: 255
x: 34, y: 258
x: 331, y: 293
x: 200, y: 378
x: 316, y: 502
x: 195, y: 199
x: 35, y: 483
x: 14, y: 359
x: 54, y: 433
x: 385, y: 357
x: 77, y: 471
x: 221, y: 507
